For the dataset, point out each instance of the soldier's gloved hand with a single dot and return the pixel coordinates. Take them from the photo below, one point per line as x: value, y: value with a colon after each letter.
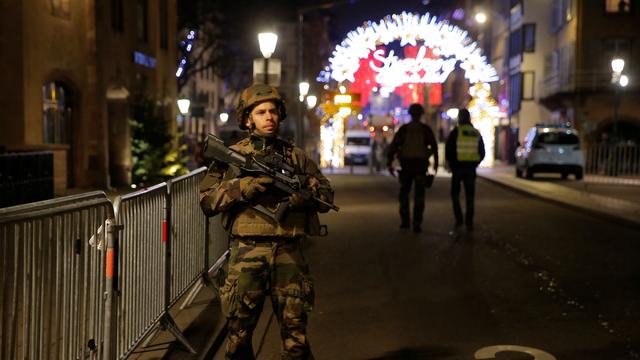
x: 297, y: 202
x: 251, y: 186
x: 313, y: 184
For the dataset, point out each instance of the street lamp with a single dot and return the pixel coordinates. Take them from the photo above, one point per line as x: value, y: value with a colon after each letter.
x: 312, y: 100
x: 183, y: 106
x: 267, y: 43
x: 481, y: 18
x: 624, y: 80
x: 617, y: 65
x: 304, y: 88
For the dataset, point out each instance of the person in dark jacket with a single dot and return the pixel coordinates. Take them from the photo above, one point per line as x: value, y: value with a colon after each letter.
x: 464, y: 150
x: 413, y: 145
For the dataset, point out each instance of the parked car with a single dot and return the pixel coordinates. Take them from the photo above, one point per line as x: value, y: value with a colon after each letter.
x: 357, y: 149
x: 550, y: 149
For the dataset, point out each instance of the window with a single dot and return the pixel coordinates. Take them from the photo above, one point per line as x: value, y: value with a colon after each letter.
x: 618, y: 6
x: 561, y: 13
x: 515, y: 92
x: 142, y: 7
x: 516, y: 11
x: 515, y: 42
x: 60, y: 8
x: 164, y: 24
x: 557, y: 138
x: 357, y: 141
x: 529, y: 34
x: 56, y: 114
x: 117, y: 16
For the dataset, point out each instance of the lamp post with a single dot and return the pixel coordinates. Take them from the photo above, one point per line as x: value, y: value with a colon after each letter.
x: 303, y: 88
x: 267, y: 43
x: 617, y: 65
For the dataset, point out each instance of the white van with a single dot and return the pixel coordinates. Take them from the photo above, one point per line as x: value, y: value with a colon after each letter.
x: 357, y: 147
x: 550, y: 149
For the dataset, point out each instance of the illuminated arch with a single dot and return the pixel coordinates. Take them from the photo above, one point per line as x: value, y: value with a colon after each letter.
x: 448, y: 42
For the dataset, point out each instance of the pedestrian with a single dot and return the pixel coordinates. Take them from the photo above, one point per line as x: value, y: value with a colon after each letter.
x: 464, y: 150
x: 266, y: 254
x: 413, y: 145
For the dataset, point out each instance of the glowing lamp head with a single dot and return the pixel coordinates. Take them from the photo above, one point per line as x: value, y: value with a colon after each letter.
x: 304, y: 88
x: 183, y: 106
x: 481, y: 18
x: 268, y: 43
x: 312, y: 100
x: 617, y: 65
x: 624, y: 80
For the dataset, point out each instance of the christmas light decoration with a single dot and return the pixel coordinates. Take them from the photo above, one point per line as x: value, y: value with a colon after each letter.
x: 485, y: 113
x: 188, y: 46
x: 450, y: 43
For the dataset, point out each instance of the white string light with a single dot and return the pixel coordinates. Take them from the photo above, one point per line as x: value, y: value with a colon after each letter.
x: 188, y: 45
x: 449, y: 42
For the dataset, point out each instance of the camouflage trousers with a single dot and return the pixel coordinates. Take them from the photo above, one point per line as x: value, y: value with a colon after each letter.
x: 261, y: 267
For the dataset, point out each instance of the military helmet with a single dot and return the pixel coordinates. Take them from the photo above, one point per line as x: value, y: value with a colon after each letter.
x: 254, y: 95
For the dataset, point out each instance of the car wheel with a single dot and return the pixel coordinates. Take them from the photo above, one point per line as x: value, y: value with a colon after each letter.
x: 565, y: 176
x: 579, y: 175
x: 518, y: 172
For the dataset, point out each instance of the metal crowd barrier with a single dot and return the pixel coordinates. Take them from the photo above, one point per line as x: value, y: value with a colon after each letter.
x: 187, y: 231
x: 51, y: 271
x: 82, y: 279
x: 142, y: 253
x: 613, y: 161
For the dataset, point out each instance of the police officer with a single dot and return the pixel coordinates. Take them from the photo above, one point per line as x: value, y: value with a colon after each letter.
x: 266, y: 255
x: 413, y: 145
x: 463, y: 152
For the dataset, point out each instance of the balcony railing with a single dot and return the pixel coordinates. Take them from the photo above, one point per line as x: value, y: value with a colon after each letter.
x: 578, y: 81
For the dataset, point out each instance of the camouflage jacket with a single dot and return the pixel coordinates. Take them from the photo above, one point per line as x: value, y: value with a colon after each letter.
x: 220, y: 193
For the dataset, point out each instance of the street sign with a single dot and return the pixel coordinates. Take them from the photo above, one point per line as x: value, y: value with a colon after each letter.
x: 274, y: 71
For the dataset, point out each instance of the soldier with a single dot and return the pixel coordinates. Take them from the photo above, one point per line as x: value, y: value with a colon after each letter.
x: 463, y: 151
x: 266, y: 255
x: 413, y: 144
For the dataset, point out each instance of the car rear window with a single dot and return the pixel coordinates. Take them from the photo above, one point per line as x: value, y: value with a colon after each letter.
x: 357, y: 141
x: 557, y: 138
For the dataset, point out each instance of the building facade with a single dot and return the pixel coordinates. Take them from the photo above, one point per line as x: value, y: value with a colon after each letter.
x: 71, y: 72
x: 577, y: 84
x: 554, y: 60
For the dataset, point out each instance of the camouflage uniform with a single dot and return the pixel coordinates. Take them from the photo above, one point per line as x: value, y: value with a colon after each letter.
x: 266, y: 256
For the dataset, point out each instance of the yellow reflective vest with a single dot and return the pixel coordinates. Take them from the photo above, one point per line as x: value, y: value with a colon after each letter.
x: 467, y: 143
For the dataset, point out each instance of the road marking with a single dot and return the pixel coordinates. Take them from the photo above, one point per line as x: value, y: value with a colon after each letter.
x: 490, y: 352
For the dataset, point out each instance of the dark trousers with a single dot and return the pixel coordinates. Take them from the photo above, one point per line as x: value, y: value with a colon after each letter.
x: 411, y: 174
x: 468, y: 177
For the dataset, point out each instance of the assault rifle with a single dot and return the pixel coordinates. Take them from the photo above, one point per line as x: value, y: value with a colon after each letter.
x: 273, y: 166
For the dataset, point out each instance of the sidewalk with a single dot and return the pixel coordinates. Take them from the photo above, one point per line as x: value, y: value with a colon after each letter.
x: 619, y: 201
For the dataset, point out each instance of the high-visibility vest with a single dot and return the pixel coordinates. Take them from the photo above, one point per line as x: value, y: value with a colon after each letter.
x: 467, y: 143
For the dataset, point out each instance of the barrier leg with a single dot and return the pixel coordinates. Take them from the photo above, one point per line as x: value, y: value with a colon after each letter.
x: 167, y: 323
x: 205, y: 280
